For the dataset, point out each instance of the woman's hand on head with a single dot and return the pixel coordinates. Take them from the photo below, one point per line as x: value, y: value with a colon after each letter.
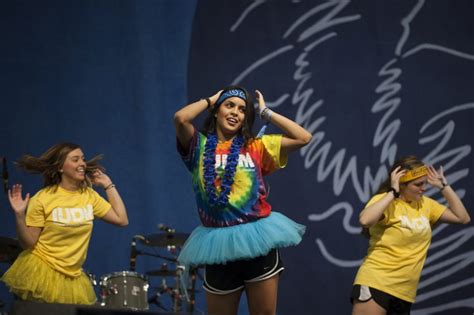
x: 395, y: 176
x: 99, y: 178
x: 436, y: 178
x: 17, y: 202
x: 214, y: 98
x: 261, y: 101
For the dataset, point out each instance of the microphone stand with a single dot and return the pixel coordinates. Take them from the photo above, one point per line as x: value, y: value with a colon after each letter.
x: 5, y: 175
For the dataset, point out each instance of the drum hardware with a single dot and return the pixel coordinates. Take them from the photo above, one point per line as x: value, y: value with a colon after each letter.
x: 143, y: 253
x: 180, y: 292
x: 165, y: 228
x: 167, y: 240
x: 9, y: 249
x: 179, y: 289
x: 134, y: 252
x: 193, y: 273
x: 176, y: 294
x: 162, y: 290
x: 162, y: 272
x: 124, y: 289
x: 91, y: 276
x: 155, y: 299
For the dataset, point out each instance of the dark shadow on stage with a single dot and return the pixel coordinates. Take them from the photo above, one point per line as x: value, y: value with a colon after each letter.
x: 32, y: 308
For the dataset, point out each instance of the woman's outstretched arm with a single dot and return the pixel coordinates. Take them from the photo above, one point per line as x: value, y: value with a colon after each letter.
x: 27, y: 235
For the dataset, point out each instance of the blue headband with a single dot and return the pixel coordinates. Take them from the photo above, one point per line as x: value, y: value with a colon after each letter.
x: 231, y: 93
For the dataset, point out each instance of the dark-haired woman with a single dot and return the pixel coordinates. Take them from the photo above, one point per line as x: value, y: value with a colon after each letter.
x: 55, y: 225
x: 239, y: 238
x: 400, y: 220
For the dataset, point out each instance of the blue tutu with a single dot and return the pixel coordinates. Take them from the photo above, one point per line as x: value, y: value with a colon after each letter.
x: 208, y: 245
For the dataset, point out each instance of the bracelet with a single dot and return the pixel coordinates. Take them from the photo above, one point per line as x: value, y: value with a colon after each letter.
x: 396, y: 194
x: 110, y: 186
x: 266, y: 114
x: 208, y: 101
x: 444, y: 186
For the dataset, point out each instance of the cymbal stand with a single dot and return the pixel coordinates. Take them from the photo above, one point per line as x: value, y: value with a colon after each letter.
x: 192, y: 298
x: 177, y: 289
x: 156, y: 297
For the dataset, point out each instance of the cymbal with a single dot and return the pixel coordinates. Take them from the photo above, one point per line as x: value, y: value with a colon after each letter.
x: 165, y: 239
x: 9, y: 249
x: 161, y: 273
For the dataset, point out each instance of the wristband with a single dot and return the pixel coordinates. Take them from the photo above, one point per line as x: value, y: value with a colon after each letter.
x: 266, y: 114
x: 444, y: 186
x: 109, y: 186
x: 396, y: 194
x: 208, y: 101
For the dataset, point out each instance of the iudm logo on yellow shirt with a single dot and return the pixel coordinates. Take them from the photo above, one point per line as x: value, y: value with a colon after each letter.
x: 415, y: 224
x: 72, y: 216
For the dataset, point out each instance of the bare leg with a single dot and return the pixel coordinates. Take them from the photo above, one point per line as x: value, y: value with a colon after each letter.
x: 262, y: 296
x: 227, y: 304
x: 367, y: 308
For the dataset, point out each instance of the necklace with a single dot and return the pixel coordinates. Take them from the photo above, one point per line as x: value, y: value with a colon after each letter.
x: 210, y: 173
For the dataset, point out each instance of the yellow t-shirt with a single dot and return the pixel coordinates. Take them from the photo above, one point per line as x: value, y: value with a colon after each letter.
x: 67, y: 219
x: 398, y: 246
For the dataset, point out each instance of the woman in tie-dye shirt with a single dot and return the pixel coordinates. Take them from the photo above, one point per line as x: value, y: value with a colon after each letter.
x: 239, y: 237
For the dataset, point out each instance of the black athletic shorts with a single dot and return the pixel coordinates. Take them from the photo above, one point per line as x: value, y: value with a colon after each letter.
x: 232, y: 276
x: 393, y: 305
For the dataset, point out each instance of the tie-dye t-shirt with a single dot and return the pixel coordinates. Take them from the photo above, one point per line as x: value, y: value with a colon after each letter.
x: 247, y: 199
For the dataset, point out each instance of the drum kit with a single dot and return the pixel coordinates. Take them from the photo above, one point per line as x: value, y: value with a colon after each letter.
x: 131, y: 290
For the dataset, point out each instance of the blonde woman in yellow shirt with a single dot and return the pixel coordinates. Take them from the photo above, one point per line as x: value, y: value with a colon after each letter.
x: 399, y: 219
x: 55, y: 225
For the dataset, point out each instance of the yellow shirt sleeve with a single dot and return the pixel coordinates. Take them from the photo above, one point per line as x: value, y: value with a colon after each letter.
x: 272, y: 158
x: 35, y: 215
x: 373, y: 200
x: 436, y: 209
x: 101, y: 206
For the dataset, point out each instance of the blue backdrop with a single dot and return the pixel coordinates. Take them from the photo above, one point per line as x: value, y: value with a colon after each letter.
x: 371, y: 80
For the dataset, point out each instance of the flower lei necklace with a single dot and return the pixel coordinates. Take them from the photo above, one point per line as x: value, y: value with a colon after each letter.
x: 229, y: 171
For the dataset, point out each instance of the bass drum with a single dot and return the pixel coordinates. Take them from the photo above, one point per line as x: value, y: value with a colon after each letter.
x: 124, y: 289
